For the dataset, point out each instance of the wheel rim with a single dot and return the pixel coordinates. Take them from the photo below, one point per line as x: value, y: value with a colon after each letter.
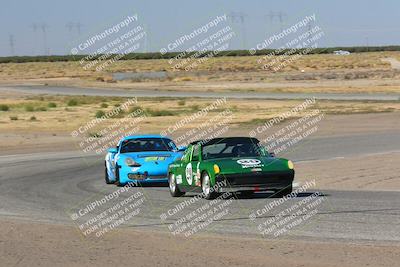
x: 172, y: 183
x: 206, y: 185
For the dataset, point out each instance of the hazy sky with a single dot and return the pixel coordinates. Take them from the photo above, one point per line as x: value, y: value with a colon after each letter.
x: 345, y: 23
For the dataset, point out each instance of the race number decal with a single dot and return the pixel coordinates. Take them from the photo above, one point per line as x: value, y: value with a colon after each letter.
x: 189, y: 173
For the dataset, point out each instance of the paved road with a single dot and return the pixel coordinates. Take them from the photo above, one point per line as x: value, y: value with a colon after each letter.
x: 53, y: 186
x: 160, y: 93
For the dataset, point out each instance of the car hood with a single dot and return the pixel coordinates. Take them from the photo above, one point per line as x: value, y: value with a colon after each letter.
x: 250, y: 164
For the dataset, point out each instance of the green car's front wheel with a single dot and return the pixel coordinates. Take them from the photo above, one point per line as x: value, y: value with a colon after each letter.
x: 247, y: 193
x: 208, y: 190
x: 173, y: 188
x: 285, y: 191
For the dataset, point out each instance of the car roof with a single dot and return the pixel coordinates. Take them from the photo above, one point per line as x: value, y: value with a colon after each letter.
x: 229, y: 139
x: 144, y: 136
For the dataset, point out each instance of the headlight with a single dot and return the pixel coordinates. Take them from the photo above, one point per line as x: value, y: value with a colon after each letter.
x: 290, y: 164
x: 216, y: 169
x: 131, y: 163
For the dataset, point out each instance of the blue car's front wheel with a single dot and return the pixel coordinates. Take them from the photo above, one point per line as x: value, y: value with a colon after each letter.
x: 117, y: 177
x: 106, y: 177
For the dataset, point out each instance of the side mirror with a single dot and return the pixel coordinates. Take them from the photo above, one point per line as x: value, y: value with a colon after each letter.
x: 113, y: 150
x: 272, y: 154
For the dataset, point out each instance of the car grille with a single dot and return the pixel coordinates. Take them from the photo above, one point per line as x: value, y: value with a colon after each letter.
x: 259, y: 178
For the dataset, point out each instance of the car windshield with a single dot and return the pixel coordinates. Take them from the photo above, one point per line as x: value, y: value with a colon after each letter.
x: 147, y: 144
x: 240, y: 147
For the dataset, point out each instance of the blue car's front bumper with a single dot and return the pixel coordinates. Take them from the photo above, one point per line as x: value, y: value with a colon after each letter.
x: 125, y: 180
x: 126, y: 175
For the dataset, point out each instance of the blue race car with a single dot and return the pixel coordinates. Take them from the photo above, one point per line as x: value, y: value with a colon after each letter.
x: 140, y: 159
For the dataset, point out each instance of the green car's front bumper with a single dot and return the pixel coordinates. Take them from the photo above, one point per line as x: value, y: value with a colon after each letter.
x: 254, y: 181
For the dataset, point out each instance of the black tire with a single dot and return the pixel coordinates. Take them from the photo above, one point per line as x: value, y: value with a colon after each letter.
x: 247, y: 194
x: 106, y: 177
x: 117, y: 181
x: 208, y: 191
x: 285, y: 191
x: 173, y: 187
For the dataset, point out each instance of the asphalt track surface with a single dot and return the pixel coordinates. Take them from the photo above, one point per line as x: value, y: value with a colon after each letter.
x: 159, y: 93
x: 50, y: 187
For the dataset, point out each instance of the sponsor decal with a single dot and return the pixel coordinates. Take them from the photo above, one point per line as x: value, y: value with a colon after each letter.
x: 249, y: 163
x: 189, y: 173
x: 174, y: 166
x: 134, y: 169
x: 154, y: 158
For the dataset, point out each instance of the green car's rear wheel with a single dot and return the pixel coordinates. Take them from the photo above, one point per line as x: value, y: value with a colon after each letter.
x: 173, y: 187
x: 208, y: 191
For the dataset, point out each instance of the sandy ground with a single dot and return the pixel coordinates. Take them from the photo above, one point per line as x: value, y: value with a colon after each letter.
x: 38, y: 244
x: 395, y: 64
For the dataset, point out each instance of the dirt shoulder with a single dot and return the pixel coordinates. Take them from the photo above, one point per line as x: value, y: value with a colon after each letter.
x: 50, y: 138
x: 38, y: 244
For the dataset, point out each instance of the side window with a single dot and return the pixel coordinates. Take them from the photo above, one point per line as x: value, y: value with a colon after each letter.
x: 196, y: 150
x: 187, y: 154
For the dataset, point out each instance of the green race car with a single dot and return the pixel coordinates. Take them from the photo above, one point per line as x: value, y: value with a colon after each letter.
x: 232, y: 164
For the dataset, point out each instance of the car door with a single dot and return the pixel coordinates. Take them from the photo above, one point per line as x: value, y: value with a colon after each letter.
x: 185, y: 170
x: 195, y: 162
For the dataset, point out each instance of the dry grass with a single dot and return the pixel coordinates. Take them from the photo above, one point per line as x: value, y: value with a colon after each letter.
x: 161, y: 112
x: 12, y: 71
x: 356, y: 73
